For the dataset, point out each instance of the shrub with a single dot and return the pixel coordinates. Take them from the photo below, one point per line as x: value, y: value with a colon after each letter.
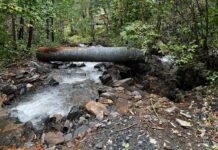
x: 139, y: 35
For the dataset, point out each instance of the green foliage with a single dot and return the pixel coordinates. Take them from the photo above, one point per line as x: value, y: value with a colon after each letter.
x: 8, y: 54
x: 139, y: 35
x: 76, y: 39
x: 187, y: 30
x: 212, y: 77
x: 183, y: 53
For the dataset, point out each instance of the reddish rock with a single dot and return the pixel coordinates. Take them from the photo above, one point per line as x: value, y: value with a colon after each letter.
x: 96, y: 108
x: 122, y: 106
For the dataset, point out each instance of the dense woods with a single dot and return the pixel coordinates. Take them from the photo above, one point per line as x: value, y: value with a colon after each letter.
x: 184, y: 29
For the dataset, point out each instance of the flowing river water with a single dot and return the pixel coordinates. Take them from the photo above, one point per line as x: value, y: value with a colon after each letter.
x: 76, y: 85
x: 73, y: 88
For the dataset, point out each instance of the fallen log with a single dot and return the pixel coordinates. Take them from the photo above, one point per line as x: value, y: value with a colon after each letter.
x: 91, y: 54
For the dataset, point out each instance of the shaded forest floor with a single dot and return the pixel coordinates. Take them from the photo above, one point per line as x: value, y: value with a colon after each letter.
x: 138, y: 113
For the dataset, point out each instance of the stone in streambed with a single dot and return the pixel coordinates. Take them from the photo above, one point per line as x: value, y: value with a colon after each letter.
x: 123, y: 82
x: 33, y: 78
x: 9, y: 89
x: 29, y: 86
x: 98, y: 109
x: 108, y: 95
x: 74, y: 113
x: 54, y: 138
x: 52, y: 82
x: 105, y: 78
x: 57, y: 117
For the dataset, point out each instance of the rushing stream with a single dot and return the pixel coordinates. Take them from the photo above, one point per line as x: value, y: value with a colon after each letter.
x: 75, y: 86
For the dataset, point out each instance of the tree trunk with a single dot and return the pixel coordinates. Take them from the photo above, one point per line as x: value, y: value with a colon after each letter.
x: 106, y: 20
x: 52, y: 32
x: 13, y: 22
x: 92, y: 34
x: 52, y: 26
x: 47, y: 29
x: 159, y: 18
x: 200, y: 11
x: 30, y: 35
x: 206, y: 28
x: 195, y: 23
x: 21, y: 31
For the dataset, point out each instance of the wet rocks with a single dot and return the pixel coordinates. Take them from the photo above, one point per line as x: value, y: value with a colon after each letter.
x: 9, y: 89
x: 98, y: 109
x: 58, y: 118
x: 53, y: 138
x: 29, y: 86
x: 106, y: 78
x: 66, y: 65
x: 52, y: 82
x: 74, y: 113
x: 104, y: 65
x: 32, y: 79
x: 67, y: 126
x: 54, y: 123
x: 123, y: 83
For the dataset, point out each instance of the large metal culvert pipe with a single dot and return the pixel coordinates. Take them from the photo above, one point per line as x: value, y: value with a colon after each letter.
x: 91, y: 54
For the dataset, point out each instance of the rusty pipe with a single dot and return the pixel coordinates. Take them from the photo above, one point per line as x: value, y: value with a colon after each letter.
x: 91, y: 54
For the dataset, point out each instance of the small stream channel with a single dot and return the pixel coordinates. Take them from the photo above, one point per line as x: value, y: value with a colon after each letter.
x: 75, y: 86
